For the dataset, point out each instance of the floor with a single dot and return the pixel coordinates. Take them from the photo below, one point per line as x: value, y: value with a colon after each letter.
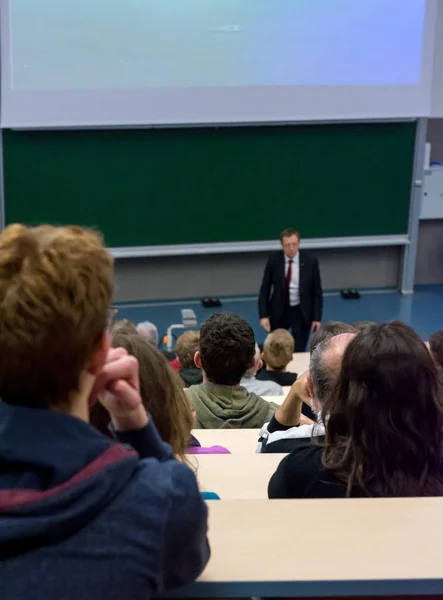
x: 423, y: 310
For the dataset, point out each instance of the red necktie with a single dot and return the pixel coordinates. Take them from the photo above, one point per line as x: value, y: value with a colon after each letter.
x: 288, y: 279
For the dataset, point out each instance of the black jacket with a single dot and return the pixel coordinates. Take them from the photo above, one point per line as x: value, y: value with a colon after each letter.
x: 273, y: 294
x: 301, y: 475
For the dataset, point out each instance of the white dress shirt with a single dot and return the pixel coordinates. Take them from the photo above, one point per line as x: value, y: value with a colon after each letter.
x: 294, y: 284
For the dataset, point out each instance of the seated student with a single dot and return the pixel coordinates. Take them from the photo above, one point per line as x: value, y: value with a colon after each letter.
x: 149, y: 331
x: 81, y: 516
x: 329, y: 330
x: 436, y: 347
x: 277, y: 354
x: 256, y: 386
x: 227, y: 347
x: 383, y: 425
x: 185, y: 349
x: 162, y: 395
x: 288, y: 427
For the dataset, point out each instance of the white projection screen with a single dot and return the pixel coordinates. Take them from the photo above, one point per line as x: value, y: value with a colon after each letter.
x: 72, y: 63
x: 437, y: 90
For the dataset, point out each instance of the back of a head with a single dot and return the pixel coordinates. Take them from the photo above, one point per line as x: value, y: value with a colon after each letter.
x: 325, y: 364
x: 56, y: 286
x: 384, y: 419
x: 363, y: 325
x: 160, y: 387
x: 278, y: 349
x: 329, y: 330
x: 149, y: 331
x: 227, y: 346
x: 436, y: 347
x: 186, y: 347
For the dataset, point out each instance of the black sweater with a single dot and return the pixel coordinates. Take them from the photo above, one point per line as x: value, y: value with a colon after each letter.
x: 301, y: 475
x: 283, y: 378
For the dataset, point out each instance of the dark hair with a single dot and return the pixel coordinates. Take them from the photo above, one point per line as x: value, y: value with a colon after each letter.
x: 329, y: 330
x: 161, y: 390
x: 363, y: 325
x: 289, y: 232
x: 436, y: 346
x: 384, y: 419
x: 227, y: 348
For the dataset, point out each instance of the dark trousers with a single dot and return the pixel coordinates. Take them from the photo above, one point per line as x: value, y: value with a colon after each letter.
x: 292, y: 319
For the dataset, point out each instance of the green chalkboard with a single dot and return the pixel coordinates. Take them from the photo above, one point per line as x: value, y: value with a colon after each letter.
x: 175, y: 186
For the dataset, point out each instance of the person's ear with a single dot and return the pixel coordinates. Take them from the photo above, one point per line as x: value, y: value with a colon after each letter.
x: 198, y: 360
x: 263, y: 357
x: 314, y: 402
x: 260, y: 365
x: 310, y: 385
x: 97, y: 359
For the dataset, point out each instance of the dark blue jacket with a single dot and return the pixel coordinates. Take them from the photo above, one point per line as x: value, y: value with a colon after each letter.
x: 82, y: 517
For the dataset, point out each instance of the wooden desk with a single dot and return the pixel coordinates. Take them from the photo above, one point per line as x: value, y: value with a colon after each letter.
x: 275, y: 399
x: 235, y: 440
x: 299, y: 363
x: 338, y: 548
x: 237, y: 476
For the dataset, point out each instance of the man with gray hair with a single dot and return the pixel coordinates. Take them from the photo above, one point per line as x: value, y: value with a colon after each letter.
x: 149, y: 331
x: 254, y: 385
x: 289, y: 428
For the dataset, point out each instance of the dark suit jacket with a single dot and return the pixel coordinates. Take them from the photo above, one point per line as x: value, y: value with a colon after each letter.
x: 273, y: 294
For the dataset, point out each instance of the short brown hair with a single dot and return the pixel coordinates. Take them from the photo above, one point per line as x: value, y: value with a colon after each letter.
x: 56, y: 285
x: 186, y: 347
x: 289, y: 232
x: 278, y: 349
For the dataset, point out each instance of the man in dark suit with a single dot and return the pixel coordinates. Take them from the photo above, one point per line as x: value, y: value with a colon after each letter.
x: 291, y: 295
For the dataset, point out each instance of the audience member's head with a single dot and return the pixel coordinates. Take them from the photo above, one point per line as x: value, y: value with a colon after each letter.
x: 325, y: 366
x: 363, y: 325
x: 227, y: 346
x: 56, y: 287
x: 329, y: 330
x: 436, y: 347
x: 161, y: 390
x: 384, y: 419
x: 290, y: 242
x: 278, y: 350
x: 186, y: 347
x: 258, y: 363
x: 149, y: 331
x: 124, y: 324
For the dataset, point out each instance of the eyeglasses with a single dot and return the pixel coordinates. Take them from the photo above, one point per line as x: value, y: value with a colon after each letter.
x: 112, y: 313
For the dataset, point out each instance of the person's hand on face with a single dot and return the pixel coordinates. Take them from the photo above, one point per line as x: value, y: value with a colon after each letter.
x: 118, y: 389
x: 300, y: 388
x: 289, y: 413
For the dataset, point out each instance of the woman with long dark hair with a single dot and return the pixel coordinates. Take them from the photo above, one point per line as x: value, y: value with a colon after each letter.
x: 383, y: 421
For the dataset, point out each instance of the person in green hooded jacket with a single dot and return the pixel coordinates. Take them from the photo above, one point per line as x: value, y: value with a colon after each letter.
x: 227, y: 351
